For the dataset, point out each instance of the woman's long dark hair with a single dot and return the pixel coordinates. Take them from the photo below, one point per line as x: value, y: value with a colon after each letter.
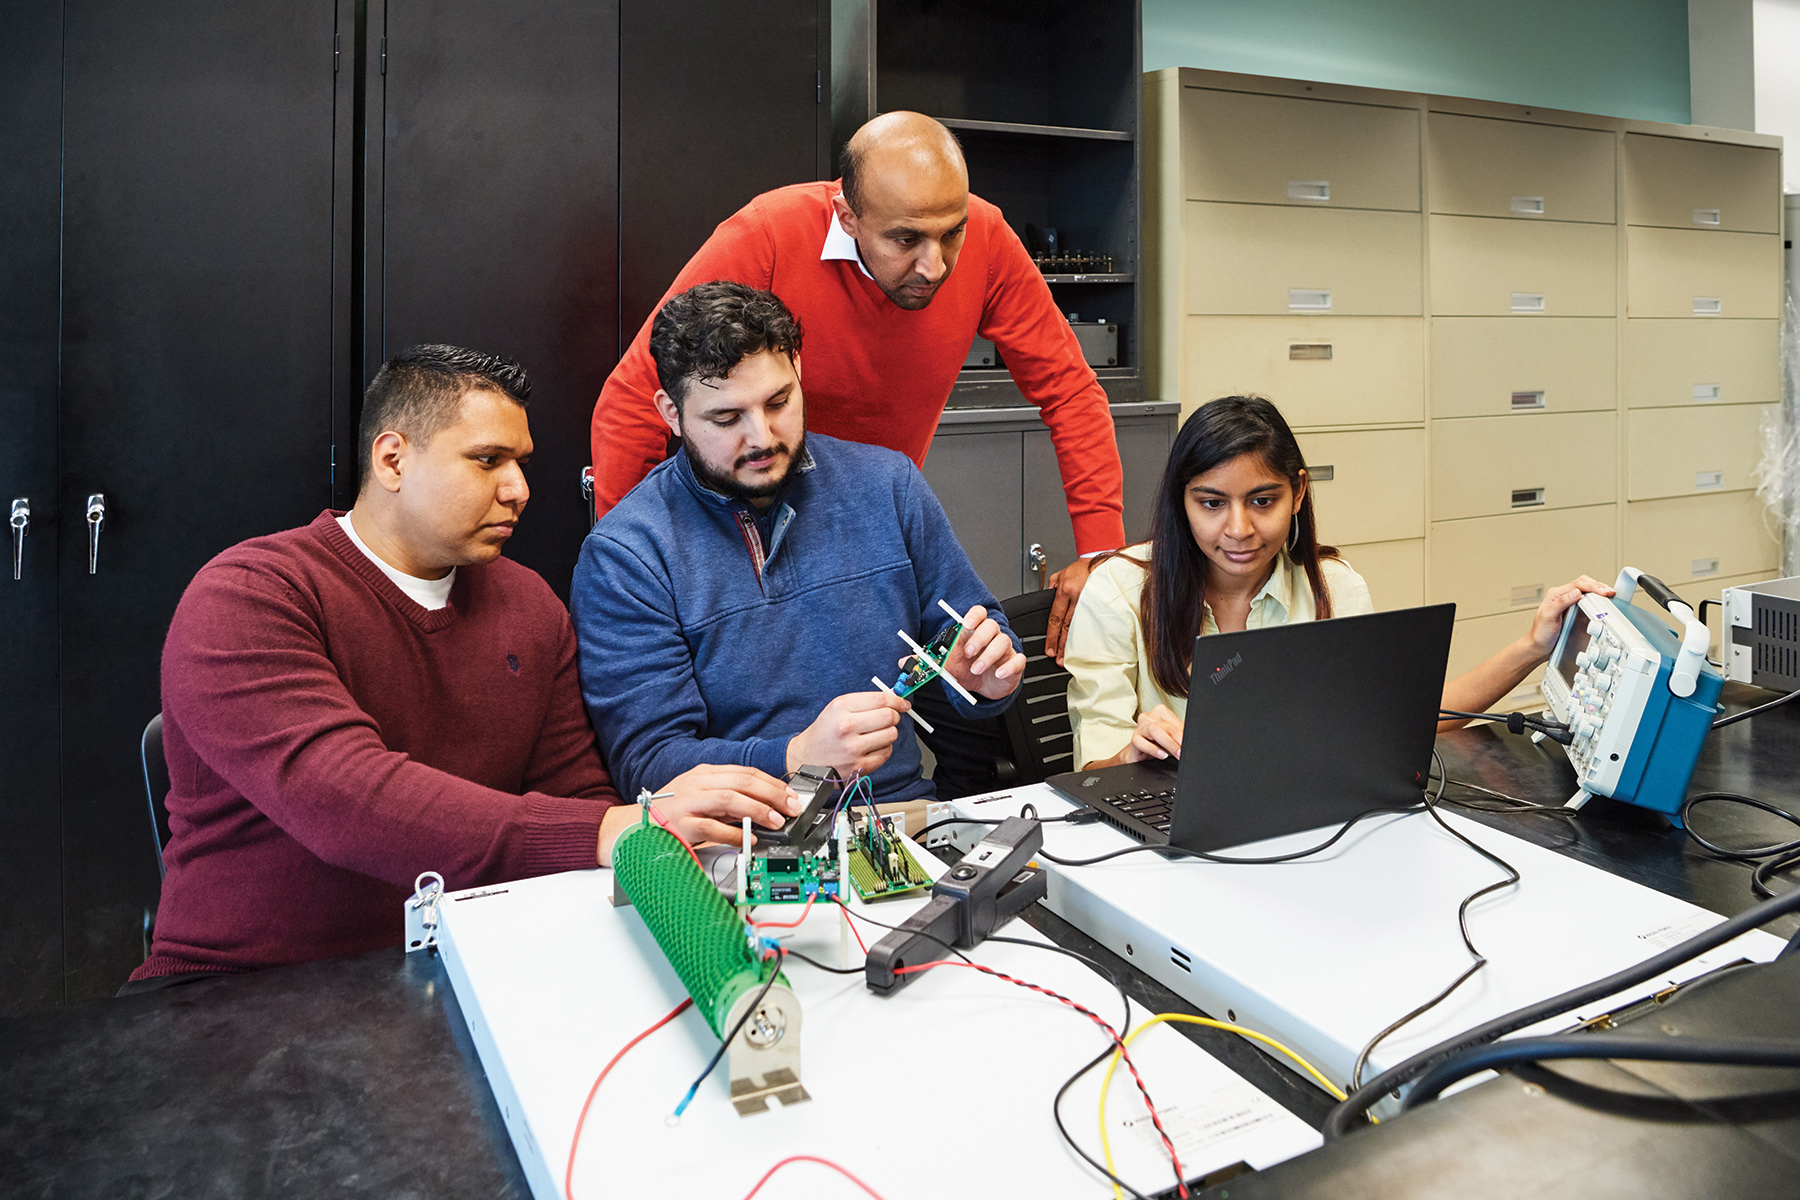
x: 1175, y: 591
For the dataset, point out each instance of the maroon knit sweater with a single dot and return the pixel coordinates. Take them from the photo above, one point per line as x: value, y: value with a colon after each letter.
x: 328, y: 739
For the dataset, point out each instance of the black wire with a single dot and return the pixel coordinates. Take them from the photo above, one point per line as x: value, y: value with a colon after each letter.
x: 1462, y: 921
x: 1217, y: 858
x: 1778, y: 855
x: 1340, y: 1119
x: 1753, y: 712
x: 780, y: 956
x: 1056, y: 1111
x: 1080, y: 813
x: 813, y: 962
x: 1773, y: 1052
x: 871, y: 920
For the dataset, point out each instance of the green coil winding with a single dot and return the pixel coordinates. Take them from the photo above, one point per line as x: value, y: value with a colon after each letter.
x: 697, y: 928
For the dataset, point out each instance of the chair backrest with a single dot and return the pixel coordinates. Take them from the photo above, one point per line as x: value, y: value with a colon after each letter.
x: 1037, y: 724
x: 156, y: 787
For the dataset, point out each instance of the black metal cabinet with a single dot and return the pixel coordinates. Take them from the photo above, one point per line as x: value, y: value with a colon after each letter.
x: 203, y: 154
x: 493, y: 217
x: 31, y: 947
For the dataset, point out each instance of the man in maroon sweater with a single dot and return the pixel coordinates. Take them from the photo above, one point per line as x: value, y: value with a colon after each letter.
x: 380, y: 693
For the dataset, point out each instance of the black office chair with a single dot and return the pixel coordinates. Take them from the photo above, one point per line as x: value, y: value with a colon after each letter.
x: 156, y: 792
x: 1037, y: 725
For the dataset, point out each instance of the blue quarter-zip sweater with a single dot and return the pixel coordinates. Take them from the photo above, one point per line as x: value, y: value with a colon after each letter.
x: 713, y: 632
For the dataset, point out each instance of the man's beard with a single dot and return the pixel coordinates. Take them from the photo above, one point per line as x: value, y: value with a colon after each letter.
x: 726, y: 484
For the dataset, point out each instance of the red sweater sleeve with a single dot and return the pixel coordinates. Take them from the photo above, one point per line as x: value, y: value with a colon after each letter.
x: 247, y: 680
x: 1046, y: 362
x: 629, y: 435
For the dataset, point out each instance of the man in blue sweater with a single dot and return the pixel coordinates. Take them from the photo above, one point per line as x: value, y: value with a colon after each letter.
x: 734, y: 606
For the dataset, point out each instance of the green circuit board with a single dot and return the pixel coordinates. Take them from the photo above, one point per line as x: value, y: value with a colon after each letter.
x: 881, y: 864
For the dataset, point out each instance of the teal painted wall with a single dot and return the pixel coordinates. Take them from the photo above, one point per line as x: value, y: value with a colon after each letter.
x: 1618, y: 58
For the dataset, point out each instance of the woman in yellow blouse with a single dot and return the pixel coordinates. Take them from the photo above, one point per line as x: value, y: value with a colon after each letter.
x: 1233, y: 545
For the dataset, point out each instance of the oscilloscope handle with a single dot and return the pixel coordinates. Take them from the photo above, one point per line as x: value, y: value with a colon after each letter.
x: 1684, y: 674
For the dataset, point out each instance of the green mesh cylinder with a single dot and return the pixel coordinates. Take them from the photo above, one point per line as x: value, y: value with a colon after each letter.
x: 697, y: 928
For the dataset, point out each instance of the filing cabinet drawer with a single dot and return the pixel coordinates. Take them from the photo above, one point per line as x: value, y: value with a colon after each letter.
x: 1485, y: 466
x: 1489, y: 366
x: 1289, y: 150
x: 1487, y: 168
x: 1489, y: 565
x: 1394, y: 571
x: 1483, y: 267
x: 1686, y: 362
x: 1317, y: 370
x: 1692, y: 451
x: 1266, y: 259
x: 1700, y: 540
x: 1474, y: 641
x: 1688, y: 183
x: 1376, y: 486
x: 1697, y: 273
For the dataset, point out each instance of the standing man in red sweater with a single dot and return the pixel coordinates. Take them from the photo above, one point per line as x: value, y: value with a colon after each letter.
x: 892, y: 272
x: 380, y: 694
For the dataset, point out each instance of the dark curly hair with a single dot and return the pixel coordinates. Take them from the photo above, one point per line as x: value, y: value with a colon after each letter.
x: 1173, y: 595
x: 419, y: 392
x: 706, y: 331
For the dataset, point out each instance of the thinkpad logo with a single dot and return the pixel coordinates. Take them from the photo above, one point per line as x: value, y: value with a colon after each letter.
x: 1090, y: 781
x: 1225, y: 668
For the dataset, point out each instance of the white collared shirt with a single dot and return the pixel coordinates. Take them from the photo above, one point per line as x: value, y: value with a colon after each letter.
x: 840, y: 245
x: 429, y: 594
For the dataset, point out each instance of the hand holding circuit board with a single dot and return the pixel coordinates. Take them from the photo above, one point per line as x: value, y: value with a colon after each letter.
x: 972, y: 652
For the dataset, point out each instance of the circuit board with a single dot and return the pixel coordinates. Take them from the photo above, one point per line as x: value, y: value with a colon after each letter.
x: 788, y: 876
x: 881, y: 865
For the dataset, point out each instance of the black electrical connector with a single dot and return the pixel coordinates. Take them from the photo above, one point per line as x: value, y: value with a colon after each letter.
x: 1517, y: 722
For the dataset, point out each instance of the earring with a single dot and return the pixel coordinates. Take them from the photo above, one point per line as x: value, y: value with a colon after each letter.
x: 1293, y: 532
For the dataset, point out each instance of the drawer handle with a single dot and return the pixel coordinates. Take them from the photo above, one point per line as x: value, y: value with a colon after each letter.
x: 1706, y: 216
x: 1309, y: 351
x: 1308, y: 300
x: 1316, y: 190
x: 1708, y: 306
x: 1528, y: 498
x: 1532, y: 593
x: 1528, y: 204
x: 1526, y: 400
x: 1528, y: 302
x: 1321, y: 474
x: 1709, y: 479
x: 1704, y: 566
x: 1705, y: 391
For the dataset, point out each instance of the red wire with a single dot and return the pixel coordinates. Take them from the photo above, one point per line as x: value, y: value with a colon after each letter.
x: 1155, y: 1118
x: 853, y: 929
x: 824, y: 1162
x: 788, y: 924
x: 569, y: 1175
x: 664, y: 822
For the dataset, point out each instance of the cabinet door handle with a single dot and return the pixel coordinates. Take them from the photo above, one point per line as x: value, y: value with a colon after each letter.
x: 96, y: 521
x: 1039, y: 562
x: 21, y: 525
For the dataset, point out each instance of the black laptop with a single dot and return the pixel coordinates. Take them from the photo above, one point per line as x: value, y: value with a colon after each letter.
x: 1288, y: 728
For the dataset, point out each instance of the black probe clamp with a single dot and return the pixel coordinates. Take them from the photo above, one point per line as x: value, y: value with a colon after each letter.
x: 990, y: 886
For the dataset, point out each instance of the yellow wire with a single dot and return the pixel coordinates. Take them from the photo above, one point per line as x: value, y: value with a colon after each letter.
x: 1184, y: 1019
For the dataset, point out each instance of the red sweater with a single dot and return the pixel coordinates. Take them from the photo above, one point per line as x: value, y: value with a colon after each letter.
x: 328, y: 739
x: 877, y: 373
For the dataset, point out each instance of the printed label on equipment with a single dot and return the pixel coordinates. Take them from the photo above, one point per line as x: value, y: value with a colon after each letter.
x: 985, y: 854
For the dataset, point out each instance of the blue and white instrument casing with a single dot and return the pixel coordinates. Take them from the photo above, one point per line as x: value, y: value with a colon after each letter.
x: 1638, y: 700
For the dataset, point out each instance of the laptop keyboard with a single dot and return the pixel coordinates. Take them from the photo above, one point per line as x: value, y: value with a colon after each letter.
x: 1152, y: 808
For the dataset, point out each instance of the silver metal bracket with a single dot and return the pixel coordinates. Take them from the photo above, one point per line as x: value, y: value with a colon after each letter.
x: 422, y: 912
x: 764, y: 1058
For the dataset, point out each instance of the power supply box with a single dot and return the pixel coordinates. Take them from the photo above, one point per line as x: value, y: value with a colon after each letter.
x: 1762, y: 628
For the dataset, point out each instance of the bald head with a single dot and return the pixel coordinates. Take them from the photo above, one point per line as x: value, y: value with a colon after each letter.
x: 905, y: 200
x: 903, y: 156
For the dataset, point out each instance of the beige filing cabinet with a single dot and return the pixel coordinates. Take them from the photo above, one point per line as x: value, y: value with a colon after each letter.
x: 1517, y: 345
